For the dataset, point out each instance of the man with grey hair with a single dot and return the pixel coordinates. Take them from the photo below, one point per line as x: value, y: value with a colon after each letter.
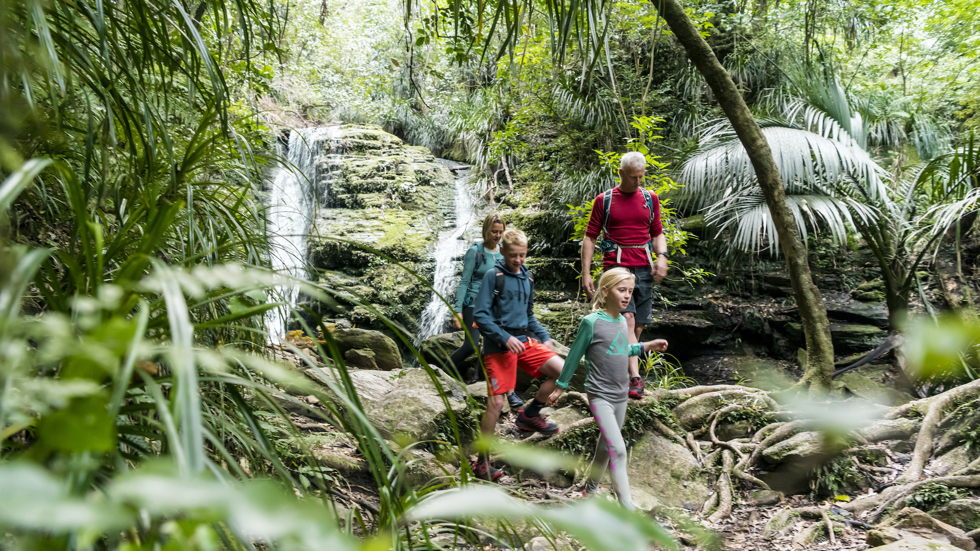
x: 628, y: 217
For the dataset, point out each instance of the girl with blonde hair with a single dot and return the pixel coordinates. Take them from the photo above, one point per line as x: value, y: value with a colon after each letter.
x: 602, y: 340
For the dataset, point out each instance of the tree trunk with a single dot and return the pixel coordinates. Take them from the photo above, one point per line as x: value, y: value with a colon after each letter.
x: 820, y: 350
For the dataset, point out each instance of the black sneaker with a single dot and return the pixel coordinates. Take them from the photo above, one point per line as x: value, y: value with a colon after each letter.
x: 514, y: 400
x: 636, y: 388
x: 535, y: 424
x: 485, y: 471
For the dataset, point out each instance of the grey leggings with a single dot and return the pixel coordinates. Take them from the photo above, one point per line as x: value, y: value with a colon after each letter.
x: 611, y: 448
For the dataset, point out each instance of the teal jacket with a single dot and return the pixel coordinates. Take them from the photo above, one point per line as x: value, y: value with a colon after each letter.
x: 469, y: 286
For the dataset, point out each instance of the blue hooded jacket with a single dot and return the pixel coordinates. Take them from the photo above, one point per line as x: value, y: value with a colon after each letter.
x: 515, y: 305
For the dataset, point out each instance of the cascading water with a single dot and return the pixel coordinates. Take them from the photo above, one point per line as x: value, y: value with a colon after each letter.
x: 447, y: 250
x: 290, y: 212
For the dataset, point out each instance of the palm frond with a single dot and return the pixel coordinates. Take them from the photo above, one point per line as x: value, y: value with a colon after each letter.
x: 806, y: 161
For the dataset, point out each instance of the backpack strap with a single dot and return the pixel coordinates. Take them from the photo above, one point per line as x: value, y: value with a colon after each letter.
x: 606, y: 205
x: 480, y: 255
x: 498, y: 289
x: 649, y: 198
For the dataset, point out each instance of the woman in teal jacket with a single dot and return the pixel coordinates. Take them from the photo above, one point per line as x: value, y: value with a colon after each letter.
x: 487, y: 253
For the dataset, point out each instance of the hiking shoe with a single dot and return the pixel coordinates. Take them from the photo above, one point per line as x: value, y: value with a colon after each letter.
x: 535, y: 424
x: 636, y: 388
x: 485, y: 471
x: 591, y: 488
x: 514, y: 400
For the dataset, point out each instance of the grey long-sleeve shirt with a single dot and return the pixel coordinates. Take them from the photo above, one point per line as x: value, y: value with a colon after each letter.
x: 603, y: 341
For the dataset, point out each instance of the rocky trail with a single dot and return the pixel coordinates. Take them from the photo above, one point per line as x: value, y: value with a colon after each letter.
x: 749, y: 471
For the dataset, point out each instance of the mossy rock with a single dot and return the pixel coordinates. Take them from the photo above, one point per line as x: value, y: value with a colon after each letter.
x: 962, y: 513
x: 669, y: 472
x: 402, y: 235
x: 847, y: 337
x: 386, y: 353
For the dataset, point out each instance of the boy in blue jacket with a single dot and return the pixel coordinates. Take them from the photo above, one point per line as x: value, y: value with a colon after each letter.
x: 504, y: 313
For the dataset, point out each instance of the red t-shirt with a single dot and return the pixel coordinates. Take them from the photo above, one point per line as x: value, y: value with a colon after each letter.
x: 629, y: 224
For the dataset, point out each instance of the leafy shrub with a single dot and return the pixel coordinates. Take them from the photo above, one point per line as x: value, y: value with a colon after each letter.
x: 932, y: 495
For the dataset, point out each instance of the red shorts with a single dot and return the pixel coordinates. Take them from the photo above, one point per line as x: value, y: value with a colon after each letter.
x: 502, y: 367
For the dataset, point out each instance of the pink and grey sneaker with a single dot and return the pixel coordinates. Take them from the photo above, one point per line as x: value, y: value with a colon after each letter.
x: 485, y: 471
x: 590, y: 489
x: 636, y: 388
x: 535, y: 424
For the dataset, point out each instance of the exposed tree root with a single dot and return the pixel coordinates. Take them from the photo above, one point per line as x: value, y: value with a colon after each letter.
x: 714, y: 422
x: 896, y: 494
x: 828, y: 524
x: 749, y: 478
x: 667, y: 432
x: 778, y: 435
x: 724, y: 488
x: 923, y: 444
x: 695, y: 448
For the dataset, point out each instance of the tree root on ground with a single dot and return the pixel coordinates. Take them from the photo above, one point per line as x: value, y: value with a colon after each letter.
x: 724, y: 488
x: 934, y: 415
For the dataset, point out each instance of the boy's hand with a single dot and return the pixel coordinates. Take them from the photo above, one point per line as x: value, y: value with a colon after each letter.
x: 457, y: 322
x: 515, y: 345
x: 553, y: 398
x: 659, y: 345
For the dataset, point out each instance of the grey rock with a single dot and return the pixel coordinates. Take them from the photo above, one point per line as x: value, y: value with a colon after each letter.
x: 962, y: 513
x: 668, y: 472
x: 799, y: 447
x: 911, y: 522
x: 914, y: 544
x: 873, y: 391
x: 406, y: 402
x: 386, y: 353
x: 362, y: 359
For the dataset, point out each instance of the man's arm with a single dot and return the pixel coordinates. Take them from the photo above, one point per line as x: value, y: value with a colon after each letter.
x: 588, y: 251
x: 660, y: 246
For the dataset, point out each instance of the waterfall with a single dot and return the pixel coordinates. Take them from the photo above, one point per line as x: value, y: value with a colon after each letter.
x: 290, y: 211
x: 447, y: 250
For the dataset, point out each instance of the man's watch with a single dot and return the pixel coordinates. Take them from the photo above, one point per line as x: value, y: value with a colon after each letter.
x: 665, y: 255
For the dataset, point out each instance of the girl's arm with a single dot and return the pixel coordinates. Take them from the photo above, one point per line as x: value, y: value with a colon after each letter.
x: 469, y: 264
x: 582, y: 341
x: 659, y: 345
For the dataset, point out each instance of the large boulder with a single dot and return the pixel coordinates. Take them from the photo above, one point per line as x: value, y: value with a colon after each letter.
x: 667, y: 471
x: 407, y: 402
x: 913, y: 523
x: 962, y: 513
x: 915, y: 544
x: 386, y: 354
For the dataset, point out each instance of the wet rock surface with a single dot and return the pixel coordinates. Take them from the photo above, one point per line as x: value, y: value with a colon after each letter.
x: 382, y: 204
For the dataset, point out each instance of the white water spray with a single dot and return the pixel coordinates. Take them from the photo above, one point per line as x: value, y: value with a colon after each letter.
x: 290, y: 213
x: 449, y: 247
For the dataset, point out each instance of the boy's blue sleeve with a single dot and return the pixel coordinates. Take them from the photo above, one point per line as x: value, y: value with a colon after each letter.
x: 636, y: 349
x: 582, y: 341
x: 469, y: 264
x: 483, y: 310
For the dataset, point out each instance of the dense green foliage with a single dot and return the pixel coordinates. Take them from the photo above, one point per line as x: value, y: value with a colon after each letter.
x: 137, y: 406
